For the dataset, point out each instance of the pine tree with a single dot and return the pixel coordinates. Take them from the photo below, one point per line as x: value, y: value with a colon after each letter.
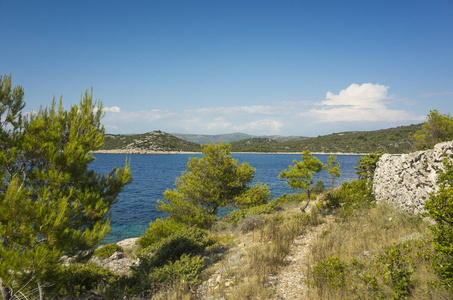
x: 52, y: 203
x: 213, y: 181
x: 300, y: 175
x: 333, y: 168
x: 437, y: 128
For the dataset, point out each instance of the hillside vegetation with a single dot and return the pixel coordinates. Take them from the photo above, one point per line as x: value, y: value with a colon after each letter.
x: 203, y: 139
x: 233, y: 137
x: 151, y: 141
x: 392, y: 140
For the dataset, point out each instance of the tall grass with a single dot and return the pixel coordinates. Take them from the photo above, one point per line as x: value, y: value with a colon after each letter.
x: 373, y: 252
x: 270, y: 244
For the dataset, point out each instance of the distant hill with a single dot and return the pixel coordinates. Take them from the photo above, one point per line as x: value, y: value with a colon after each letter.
x: 392, y: 140
x: 216, y: 138
x: 230, y: 138
x: 262, y: 144
x: 151, y: 141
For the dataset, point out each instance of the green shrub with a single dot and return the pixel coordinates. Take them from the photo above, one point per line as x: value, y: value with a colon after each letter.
x: 79, y: 279
x: 187, y: 268
x: 106, y: 251
x: 176, y: 257
x: 188, y: 241
x: 397, y: 265
x: 440, y: 208
x: 351, y: 195
x: 367, y: 165
x: 158, y: 230
x: 318, y: 188
x: 237, y: 215
x: 286, y: 199
x: 258, y: 194
x: 329, y: 273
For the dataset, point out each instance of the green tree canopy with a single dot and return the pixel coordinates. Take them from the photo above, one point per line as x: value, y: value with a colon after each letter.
x: 437, y: 128
x: 51, y: 202
x: 367, y: 165
x: 333, y: 168
x: 212, y: 181
x: 300, y: 175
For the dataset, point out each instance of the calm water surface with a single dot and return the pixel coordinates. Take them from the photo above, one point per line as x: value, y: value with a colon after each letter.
x: 153, y: 174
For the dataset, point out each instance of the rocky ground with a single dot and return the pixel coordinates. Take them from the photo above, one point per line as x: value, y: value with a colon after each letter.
x: 119, y: 262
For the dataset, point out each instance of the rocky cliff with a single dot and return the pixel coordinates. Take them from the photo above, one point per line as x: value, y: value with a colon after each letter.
x: 407, y: 180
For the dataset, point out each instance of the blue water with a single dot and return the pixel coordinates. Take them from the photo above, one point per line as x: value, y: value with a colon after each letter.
x: 153, y: 174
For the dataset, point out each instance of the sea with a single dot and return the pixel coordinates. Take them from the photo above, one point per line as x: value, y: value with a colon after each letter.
x: 154, y: 173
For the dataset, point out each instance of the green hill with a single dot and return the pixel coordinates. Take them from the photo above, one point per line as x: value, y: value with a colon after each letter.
x: 392, y: 140
x: 230, y: 138
x: 151, y: 141
x: 215, y: 138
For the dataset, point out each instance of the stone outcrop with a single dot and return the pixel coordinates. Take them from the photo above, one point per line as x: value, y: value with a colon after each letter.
x: 407, y: 180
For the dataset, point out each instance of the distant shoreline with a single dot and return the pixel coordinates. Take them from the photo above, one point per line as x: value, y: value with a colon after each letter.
x: 116, y: 151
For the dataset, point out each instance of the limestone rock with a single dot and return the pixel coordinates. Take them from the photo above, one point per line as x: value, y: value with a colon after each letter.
x: 407, y: 180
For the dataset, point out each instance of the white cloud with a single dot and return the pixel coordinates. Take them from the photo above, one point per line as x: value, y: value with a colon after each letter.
x: 219, y: 123
x: 269, y: 126
x: 115, y: 109
x: 360, y: 106
x: 366, y: 102
x: 367, y: 95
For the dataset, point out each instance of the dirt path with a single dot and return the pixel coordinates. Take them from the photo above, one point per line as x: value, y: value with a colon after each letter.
x: 290, y: 280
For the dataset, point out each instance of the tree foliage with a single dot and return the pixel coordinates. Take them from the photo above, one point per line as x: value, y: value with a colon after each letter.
x: 437, y: 128
x: 51, y: 202
x: 367, y: 165
x: 333, y: 168
x: 300, y: 175
x: 213, y: 181
x: 440, y: 208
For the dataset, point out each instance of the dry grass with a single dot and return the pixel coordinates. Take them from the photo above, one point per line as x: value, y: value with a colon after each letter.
x: 244, y: 272
x: 357, y: 247
x: 374, y: 246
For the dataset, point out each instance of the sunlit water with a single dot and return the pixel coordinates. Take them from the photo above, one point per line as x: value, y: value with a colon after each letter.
x: 153, y: 174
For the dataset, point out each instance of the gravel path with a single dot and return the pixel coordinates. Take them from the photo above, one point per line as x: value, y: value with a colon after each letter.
x: 290, y: 280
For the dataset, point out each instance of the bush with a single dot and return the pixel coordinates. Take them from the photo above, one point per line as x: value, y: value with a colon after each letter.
x: 440, y: 208
x: 82, y: 279
x: 159, y: 230
x: 188, y: 241
x: 318, y: 188
x: 351, y: 195
x: 287, y: 199
x: 106, y: 251
x: 237, y: 215
x: 329, y: 273
x: 187, y: 268
x: 176, y: 257
x: 397, y: 266
x: 258, y: 194
x: 367, y: 165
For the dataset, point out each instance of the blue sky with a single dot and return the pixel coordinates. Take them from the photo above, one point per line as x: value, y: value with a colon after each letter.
x: 260, y: 67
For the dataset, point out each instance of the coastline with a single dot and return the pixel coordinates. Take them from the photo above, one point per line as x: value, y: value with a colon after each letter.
x: 142, y: 151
